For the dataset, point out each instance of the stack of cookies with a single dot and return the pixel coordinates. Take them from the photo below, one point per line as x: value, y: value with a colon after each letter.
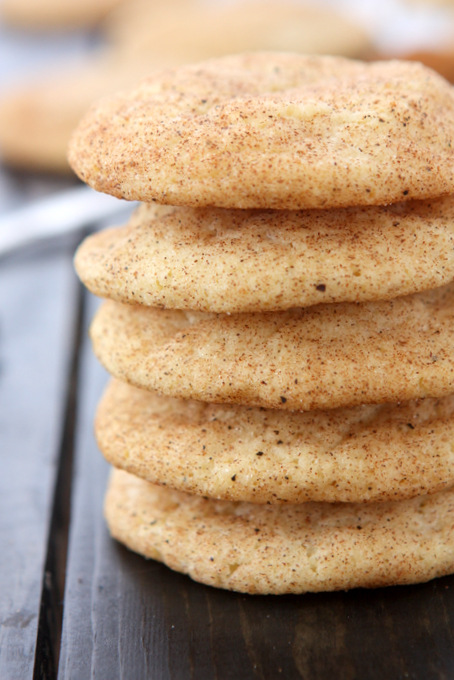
x: 280, y: 320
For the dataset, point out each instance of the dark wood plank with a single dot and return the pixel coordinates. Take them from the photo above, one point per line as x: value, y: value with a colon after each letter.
x: 88, y: 540
x: 126, y: 617
x: 37, y: 296
x: 52, y: 596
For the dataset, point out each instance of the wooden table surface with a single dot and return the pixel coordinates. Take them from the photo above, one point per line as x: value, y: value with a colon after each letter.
x: 76, y: 605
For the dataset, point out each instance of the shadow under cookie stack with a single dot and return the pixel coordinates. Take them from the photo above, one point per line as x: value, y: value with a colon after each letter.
x: 279, y: 320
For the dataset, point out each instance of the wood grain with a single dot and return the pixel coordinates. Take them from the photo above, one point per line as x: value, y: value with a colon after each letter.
x: 36, y: 329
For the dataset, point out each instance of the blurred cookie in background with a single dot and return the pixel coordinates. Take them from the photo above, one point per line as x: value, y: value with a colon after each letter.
x: 442, y: 61
x: 429, y: 3
x: 199, y: 30
x: 52, y: 14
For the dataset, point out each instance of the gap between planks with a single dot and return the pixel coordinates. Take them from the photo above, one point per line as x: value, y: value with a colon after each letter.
x: 53, y: 580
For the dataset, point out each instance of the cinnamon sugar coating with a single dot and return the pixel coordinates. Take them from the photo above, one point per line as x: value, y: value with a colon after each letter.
x: 264, y: 549
x: 217, y: 260
x: 273, y: 130
x: 320, y: 357
x: 238, y: 453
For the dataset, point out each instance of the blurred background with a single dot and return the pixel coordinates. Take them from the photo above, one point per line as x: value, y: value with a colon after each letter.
x: 57, y: 56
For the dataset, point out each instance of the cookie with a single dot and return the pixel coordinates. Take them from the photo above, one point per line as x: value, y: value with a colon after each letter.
x: 273, y: 130
x: 264, y: 549
x: 315, y: 358
x: 200, y: 30
x: 440, y: 60
x: 227, y: 261
x: 236, y: 453
x: 52, y: 14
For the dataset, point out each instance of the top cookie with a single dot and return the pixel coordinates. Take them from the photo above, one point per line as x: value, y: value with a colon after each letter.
x: 273, y: 130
